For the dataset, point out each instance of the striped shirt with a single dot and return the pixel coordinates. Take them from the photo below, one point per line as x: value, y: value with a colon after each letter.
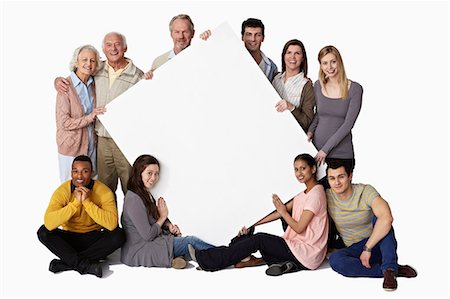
x: 268, y: 67
x: 290, y: 89
x: 353, y: 216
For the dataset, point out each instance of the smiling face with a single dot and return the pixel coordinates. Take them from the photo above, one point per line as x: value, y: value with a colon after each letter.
x: 304, y: 172
x: 252, y: 38
x: 181, y: 34
x: 329, y: 65
x: 340, y: 181
x: 86, y: 63
x: 114, y: 48
x: 81, y: 173
x: 150, y: 175
x: 293, y: 58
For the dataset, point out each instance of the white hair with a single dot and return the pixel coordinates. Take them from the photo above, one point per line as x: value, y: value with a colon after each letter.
x: 76, y: 53
x: 122, y: 37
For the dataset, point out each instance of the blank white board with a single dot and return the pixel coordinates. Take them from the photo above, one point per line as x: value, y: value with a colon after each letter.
x: 209, y: 117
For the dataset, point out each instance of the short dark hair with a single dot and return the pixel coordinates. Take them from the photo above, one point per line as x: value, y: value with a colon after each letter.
x: 336, y: 163
x: 83, y: 158
x: 253, y: 23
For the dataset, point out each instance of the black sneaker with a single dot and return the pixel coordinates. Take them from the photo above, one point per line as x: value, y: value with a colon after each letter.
x: 95, y: 269
x: 280, y: 269
x: 57, y: 266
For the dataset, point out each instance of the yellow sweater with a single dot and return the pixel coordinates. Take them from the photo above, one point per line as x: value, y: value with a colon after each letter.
x: 95, y: 212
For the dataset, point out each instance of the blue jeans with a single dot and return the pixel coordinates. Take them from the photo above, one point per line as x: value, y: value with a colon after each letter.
x: 180, y: 245
x: 346, y: 261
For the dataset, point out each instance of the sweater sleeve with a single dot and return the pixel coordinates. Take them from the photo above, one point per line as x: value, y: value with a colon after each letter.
x: 60, y: 209
x: 137, y: 213
x: 304, y: 114
x: 355, y: 98
x: 64, y: 117
x: 315, y: 121
x: 104, y: 214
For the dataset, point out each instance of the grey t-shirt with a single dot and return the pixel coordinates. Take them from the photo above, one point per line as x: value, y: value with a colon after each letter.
x: 334, y: 120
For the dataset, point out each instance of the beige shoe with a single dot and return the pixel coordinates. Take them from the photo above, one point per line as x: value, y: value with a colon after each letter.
x: 179, y: 263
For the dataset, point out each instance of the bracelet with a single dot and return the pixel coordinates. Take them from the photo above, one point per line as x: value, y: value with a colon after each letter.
x: 365, y: 248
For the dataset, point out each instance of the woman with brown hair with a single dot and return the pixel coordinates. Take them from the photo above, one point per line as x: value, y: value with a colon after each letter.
x: 293, y: 84
x: 151, y: 239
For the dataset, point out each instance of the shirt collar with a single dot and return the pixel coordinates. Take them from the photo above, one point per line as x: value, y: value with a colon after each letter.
x: 111, y: 69
x: 76, y: 81
x: 297, y: 77
x: 171, y: 54
x: 89, y: 186
x: 265, y: 58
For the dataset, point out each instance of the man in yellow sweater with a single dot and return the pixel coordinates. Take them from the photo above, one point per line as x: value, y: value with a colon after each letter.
x: 87, y: 212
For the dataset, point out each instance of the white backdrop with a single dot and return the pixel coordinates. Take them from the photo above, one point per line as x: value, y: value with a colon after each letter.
x: 398, y: 52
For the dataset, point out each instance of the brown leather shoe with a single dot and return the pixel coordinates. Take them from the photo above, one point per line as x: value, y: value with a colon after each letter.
x: 406, y: 271
x: 389, y: 282
x: 252, y: 262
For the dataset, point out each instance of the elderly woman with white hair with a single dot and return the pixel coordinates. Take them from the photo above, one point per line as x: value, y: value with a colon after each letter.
x: 76, y: 112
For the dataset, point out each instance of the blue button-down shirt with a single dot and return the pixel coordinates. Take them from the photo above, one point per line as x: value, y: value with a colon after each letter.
x: 85, y: 92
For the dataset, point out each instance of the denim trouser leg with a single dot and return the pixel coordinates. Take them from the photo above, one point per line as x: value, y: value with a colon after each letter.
x: 388, y: 251
x: 384, y: 256
x: 180, y: 245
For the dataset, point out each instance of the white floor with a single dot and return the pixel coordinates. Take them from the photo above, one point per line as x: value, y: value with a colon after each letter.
x: 32, y: 280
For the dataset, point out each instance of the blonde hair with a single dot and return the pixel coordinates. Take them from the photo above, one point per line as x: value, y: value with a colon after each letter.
x: 76, y: 53
x: 341, y: 76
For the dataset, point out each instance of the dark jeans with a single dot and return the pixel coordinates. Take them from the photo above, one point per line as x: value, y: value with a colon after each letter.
x: 78, y: 250
x: 272, y: 248
x: 384, y: 256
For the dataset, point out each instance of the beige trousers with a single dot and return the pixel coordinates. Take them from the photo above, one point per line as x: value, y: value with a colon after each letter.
x: 112, y: 164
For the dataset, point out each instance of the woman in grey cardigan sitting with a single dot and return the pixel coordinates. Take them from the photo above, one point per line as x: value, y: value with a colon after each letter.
x: 151, y: 239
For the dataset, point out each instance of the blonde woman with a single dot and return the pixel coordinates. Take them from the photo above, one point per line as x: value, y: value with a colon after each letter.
x: 338, y: 102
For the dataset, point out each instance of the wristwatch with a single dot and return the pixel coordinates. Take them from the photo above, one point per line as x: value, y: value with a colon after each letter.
x: 365, y: 248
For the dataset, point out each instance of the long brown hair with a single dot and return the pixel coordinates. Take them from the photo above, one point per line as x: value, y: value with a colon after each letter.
x: 136, y: 184
x: 342, y: 77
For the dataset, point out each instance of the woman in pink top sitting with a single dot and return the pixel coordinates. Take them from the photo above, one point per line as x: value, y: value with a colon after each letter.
x: 302, y: 247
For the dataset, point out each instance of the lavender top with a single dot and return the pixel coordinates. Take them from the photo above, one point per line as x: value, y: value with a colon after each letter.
x: 332, y: 125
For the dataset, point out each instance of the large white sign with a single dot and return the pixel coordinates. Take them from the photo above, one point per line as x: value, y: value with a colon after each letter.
x: 208, y: 115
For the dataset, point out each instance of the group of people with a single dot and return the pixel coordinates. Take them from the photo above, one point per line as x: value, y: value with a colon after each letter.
x: 327, y: 212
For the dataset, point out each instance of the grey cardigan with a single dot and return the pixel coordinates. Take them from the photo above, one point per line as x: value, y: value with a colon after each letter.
x: 146, y: 244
